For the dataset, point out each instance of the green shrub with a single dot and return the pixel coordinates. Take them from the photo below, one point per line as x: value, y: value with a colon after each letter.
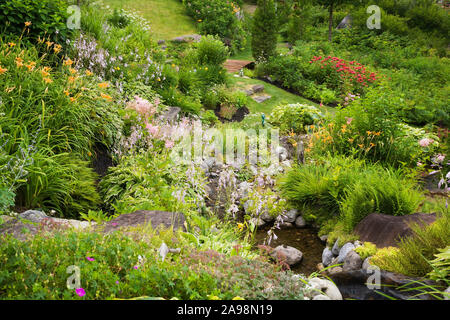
x: 368, y: 249
x: 218, y: 18
x: 294, y: 117
x: 46, y: 17
x: 37, y: 269
x: 348, y: 190
x: 264, y: 31
x: 211, y: 51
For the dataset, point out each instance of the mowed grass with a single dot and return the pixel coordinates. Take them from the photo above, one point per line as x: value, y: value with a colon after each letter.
x: 278, y: 96
x: 168, y: 18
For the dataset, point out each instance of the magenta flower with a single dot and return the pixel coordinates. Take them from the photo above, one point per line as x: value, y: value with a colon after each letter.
x: 80, y: 292
x: 117, y: 282
x: 114, y: 224
x: 90, y: 259
x: 135, y: 267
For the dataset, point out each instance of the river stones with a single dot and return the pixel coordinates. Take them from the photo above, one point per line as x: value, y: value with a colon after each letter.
x: 287, y: 254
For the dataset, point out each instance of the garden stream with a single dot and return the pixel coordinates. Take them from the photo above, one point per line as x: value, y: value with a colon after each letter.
x: 305, y: 240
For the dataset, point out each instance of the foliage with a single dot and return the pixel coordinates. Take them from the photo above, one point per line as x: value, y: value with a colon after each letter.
x: 149, y: 181
x: 349, y: 190
x: 51, y: 109
x: 368, y: 249
x: 412, y: 255
x: 441, y: 266
x: 219, y: 18
x: 115, y: 266
x: 370, y: 129
x: 46, y: 18
x: 264, y: 31
x: 295, y: 117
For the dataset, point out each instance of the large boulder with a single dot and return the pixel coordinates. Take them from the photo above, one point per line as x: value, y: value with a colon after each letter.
x: 138, y: 218
x: 287, y: 254
x: 33, y: 215
x: 386, y: 231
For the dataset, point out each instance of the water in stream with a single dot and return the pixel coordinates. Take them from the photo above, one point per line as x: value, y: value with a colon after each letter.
x: 305, y: 240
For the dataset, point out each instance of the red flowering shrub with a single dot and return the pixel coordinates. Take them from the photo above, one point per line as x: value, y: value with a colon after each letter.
x: 344, y: 76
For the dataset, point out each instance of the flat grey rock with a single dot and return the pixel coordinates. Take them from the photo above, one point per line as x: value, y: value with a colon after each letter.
x: 261, y: 99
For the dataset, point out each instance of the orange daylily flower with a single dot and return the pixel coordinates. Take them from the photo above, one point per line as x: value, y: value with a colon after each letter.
x: 68, y: 62
x: 103, y: 85
x: 19, y: 62
x: 11, y: 44
x: 57, y: 48
x: 2, y: 70
x: 30, y: 66
x: 105, y: 96
x: 27, y: 23
x: 48, y: 80
x: 89, y: 73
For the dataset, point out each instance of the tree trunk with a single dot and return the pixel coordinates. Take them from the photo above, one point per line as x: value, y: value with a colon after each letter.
x: 330, y: 22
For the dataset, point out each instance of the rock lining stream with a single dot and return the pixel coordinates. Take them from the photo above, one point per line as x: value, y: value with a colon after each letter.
x: 305, y: 240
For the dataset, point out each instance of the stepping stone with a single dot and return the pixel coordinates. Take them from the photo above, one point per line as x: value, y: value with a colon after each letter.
x: 261, y: 99
x: 258, y: 88
x: 248, y: 92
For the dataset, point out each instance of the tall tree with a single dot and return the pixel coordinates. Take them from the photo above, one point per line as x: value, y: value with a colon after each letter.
x: 264, y: 31
x: 331, y: 5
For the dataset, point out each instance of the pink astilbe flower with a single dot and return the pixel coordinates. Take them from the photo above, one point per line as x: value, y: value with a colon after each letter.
x: 152, y: 130
x: 425, y: 142
x: 169, y: 144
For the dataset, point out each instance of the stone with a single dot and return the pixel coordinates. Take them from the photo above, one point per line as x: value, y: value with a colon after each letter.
x: 291, y: 215
x: 386, y: 231
x: 267, y: 217
x: 327, y: 287
x: 352, y: 261
x: 345, y: 23
x: 336, y: 248
x: 261, y: 99
x: 248, y: 92
x: 287, y: 254
x: 33, y: 215
x: 327, y: 257
x: 335, y: 270
x: 366, y: 264
x: 321, y: 297
x: 5, y: 219
x: 247, y: 205
x: 281, y: 152
x: 447, y: 295
x: 346, y: 248
x: 243, y: 189
x: 171, y: 114
x: 324, y: 238
x: 258, y: 222
x: 258, y: 88
x: 188, y: 38
x: 142, y: 217
x: 353, y: 285
x: 300, y: 222
x: 286, y: 225
x: 334, y: 261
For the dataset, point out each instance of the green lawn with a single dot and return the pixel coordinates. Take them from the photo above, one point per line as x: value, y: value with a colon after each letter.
x: 278, y: 96
x: 167, y: 18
